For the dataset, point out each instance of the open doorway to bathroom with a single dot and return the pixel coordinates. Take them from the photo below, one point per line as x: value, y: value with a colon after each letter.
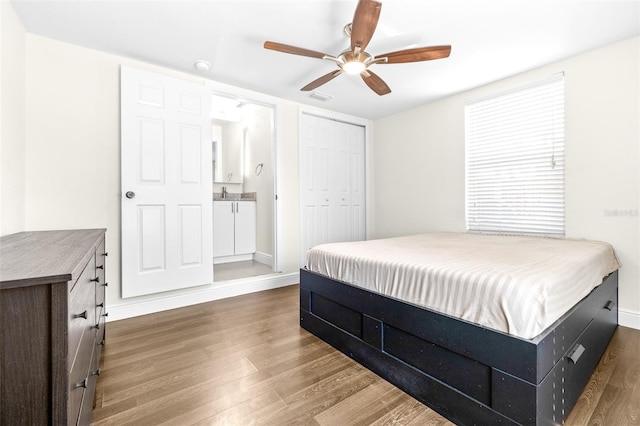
x: 243, y: 136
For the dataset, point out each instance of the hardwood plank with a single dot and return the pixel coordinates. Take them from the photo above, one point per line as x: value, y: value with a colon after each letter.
x: 245, y: 360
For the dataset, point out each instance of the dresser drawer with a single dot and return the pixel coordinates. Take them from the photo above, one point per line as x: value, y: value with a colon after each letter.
x: 79, y: 374
x: 100, y: 274
x: 100, y: 326
x: 86, y: 408
x: 81, y: 310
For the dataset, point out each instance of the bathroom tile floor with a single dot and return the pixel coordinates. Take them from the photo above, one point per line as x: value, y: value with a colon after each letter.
x: 238, y: 270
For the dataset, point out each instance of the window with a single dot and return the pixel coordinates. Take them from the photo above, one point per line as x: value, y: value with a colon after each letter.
x: 515, y: 160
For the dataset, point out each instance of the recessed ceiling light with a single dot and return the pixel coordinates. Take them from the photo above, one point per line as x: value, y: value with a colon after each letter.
x: 202, y: 65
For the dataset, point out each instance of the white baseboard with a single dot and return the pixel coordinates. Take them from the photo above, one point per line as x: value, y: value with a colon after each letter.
x: 264, y: 258
x: 629, y: 319
x: 234, y: 258
x: 215, y: 292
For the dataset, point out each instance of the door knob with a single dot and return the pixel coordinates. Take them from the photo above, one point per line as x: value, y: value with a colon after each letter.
x: 130, y: 194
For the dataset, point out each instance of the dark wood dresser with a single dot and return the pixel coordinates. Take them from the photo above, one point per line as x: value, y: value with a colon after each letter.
x: 52, y: 312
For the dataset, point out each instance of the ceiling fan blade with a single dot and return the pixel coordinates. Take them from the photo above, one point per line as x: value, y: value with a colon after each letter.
x: 375, y: 83
x: 322, y: 80
x: 364, y: 23
x: 416, y: 55
x: 286, y: 48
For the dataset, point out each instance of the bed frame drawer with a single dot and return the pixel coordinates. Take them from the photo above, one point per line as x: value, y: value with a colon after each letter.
x: 560, y: 389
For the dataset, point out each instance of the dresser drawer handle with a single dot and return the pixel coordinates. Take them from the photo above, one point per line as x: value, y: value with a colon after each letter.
x: 101, y: 343
x: 100, y: 305
x: 96, y: 373
x: 105, y: 285
x: 106, y: 314
x: 82, y: 384
x: 105, y: 254
x: 97, y: 326
x: 610, y: 305
x: 100, y: 267
x: 82, y: 315
x: 576, y: 353
x: 95, y: 280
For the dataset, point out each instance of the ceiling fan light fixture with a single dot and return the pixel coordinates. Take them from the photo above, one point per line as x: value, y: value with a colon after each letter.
x: 355, y: 59
x: 353, y: 67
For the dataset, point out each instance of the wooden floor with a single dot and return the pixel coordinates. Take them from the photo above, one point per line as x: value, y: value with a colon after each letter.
x: 245, y: 360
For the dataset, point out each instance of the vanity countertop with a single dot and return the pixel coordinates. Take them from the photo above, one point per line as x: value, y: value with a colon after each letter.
x: 235, y: 196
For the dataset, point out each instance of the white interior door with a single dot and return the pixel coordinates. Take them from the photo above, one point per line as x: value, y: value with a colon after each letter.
x: 166, y: 183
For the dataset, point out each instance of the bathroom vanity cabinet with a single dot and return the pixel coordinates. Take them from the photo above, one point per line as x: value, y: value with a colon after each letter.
x: 234, y: 230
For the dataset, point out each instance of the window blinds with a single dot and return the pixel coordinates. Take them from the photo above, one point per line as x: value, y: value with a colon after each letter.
x: 515, y: 160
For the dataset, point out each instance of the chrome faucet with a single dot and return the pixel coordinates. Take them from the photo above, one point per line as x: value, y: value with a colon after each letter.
x: 224, y: 192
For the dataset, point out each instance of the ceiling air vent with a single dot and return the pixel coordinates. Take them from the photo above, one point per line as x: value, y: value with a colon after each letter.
x: 320, y: 96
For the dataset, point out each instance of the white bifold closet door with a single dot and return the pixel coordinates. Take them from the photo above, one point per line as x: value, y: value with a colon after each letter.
x: 166, y: 183
x: 332, y: 182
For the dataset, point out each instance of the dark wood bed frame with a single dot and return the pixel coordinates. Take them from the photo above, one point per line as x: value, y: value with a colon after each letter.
x: 468, y: 373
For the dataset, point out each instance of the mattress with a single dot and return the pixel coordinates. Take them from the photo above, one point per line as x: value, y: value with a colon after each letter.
x: 518, y: 285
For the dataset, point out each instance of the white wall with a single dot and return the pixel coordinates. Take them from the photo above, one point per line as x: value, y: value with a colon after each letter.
x: 73, y: 152
x: 420, y: 160
x: 12, y: 121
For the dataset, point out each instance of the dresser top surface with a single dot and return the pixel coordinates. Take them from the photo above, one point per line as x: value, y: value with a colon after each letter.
x: 41, y: 257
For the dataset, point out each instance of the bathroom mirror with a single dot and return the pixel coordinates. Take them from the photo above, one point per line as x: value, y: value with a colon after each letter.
x: 228, y: 151
x: 228, y: 139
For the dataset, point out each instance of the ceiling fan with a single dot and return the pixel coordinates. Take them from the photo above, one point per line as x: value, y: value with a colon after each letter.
x: 355, y: 60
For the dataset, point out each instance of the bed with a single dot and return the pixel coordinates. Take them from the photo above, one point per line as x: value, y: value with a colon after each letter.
x: 484, y: 329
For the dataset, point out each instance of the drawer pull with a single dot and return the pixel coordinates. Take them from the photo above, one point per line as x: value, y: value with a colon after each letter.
x: 100, y: 305
x: 106, y: 314
x: 82, y: 315
x: 105, y: 254
x: 100, y: 267
x: 610, y: 305
x: 576, y: 353
x: 96, y: 373
x: 105, y: 285
x: 101, y: 343
x: 95, y: 280
x: 82, y: 384
x: 97, y: 326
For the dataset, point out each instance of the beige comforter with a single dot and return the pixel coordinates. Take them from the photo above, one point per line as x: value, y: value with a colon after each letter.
x: 514, y: 284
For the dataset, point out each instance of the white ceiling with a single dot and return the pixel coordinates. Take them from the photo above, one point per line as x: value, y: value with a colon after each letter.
x: 491, y: 39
